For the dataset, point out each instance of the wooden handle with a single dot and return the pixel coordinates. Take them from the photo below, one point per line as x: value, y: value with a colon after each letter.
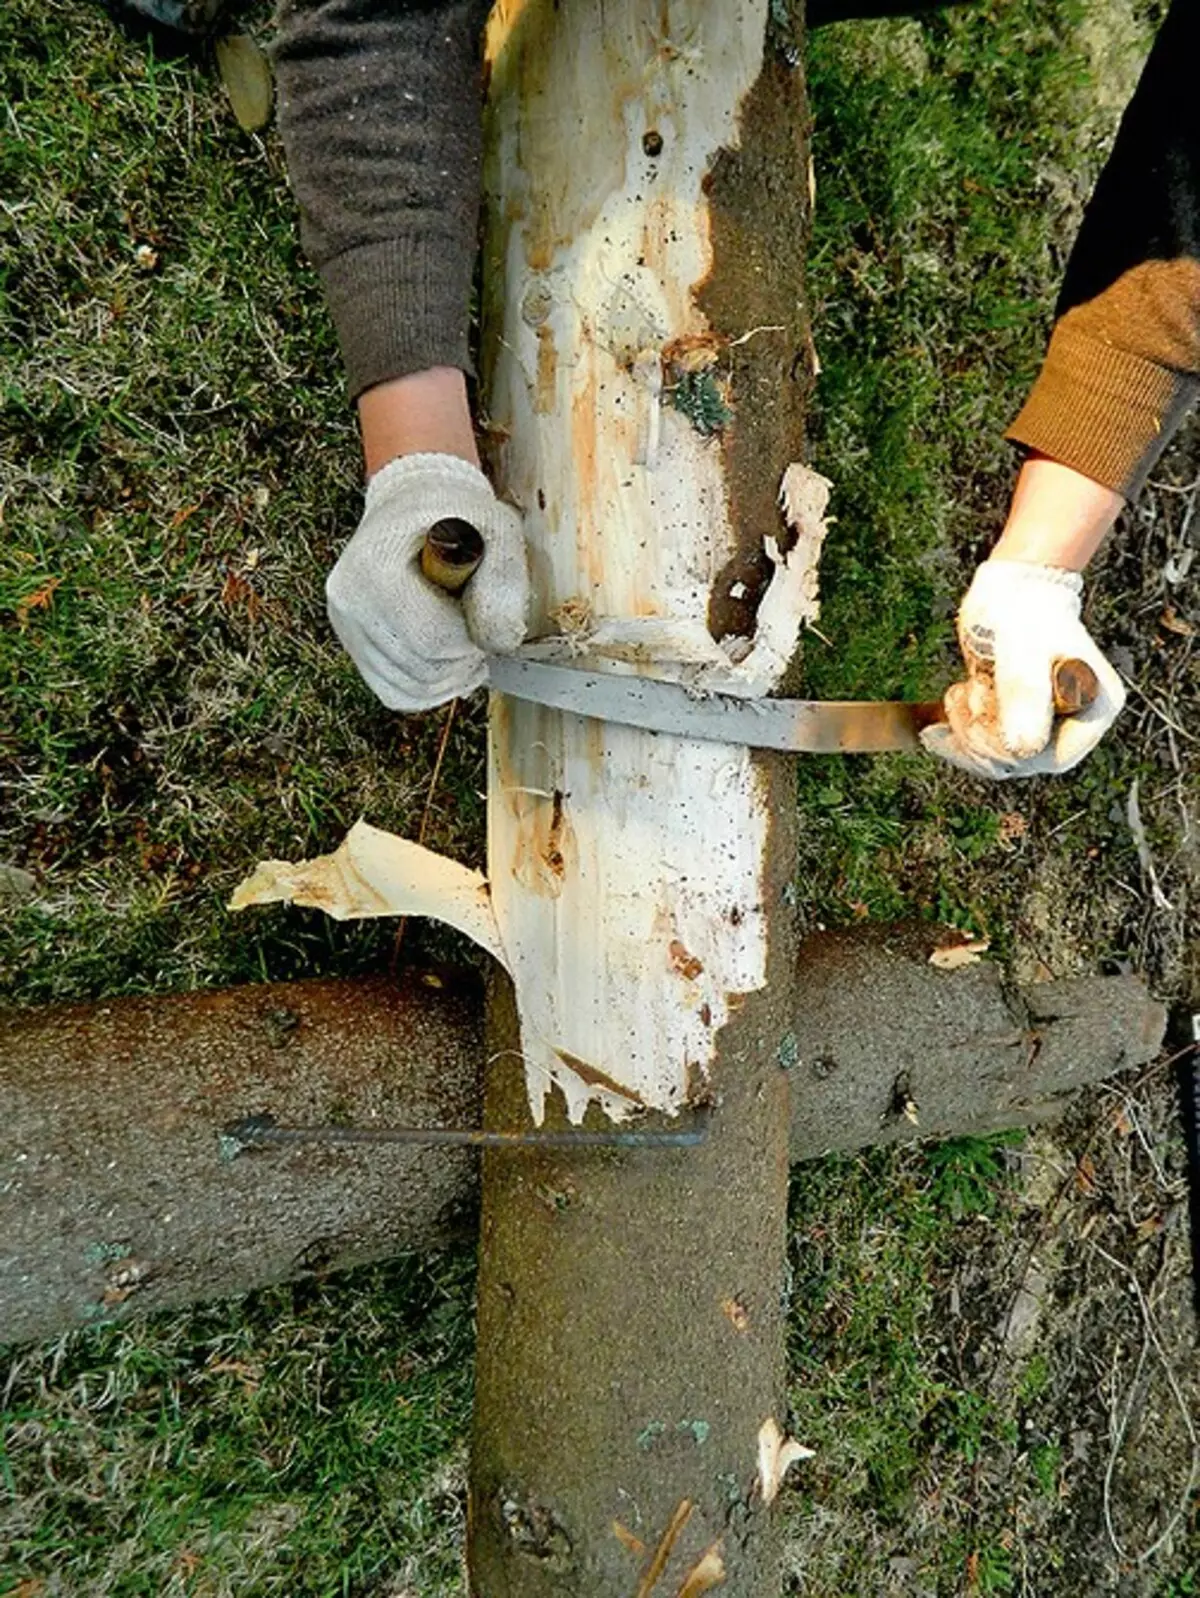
x: 451, y: 553
x: 1076, y: 686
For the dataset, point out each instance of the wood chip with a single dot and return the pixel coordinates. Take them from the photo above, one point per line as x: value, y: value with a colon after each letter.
x: 957, y: 955
x: 776, y: 1455
x: 736, y: 1313
x: 629, y: 1540
x: 704, y: 1576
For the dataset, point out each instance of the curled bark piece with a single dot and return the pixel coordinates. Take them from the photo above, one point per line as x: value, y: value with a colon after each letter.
x: 776, y: 1455
x: 684, y: 650
x: 374, y: 873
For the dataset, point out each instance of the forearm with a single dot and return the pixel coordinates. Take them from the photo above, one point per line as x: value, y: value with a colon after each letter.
x: 425, y: 413
x: 1058, y: 517
x: 379, y: 114
x: 1124, y: 360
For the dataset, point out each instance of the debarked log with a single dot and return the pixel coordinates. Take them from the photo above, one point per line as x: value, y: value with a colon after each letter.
x: 644, y: 367
x: 115, y: 1198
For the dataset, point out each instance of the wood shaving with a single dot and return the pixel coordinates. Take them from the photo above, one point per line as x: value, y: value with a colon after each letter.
x: 776, y: 1455
x: 374, y: 873
x: 957, y: 955
x: 804, y: 496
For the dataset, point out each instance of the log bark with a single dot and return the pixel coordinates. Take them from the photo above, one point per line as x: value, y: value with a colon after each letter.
x: 110, y: 1112
x: 884, y: 1046
x: 646, y: 183
x: 114, y: 1196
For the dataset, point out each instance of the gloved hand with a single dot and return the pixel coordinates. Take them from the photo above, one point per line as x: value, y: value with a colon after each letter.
x: 415, y: 645
x: 1018, y: 619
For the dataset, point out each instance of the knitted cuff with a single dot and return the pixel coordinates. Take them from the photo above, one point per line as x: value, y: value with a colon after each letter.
x: 400, y: 306
x: 1102, y: 411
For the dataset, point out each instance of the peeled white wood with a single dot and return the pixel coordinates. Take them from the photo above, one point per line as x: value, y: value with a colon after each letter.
x: 625, y: 867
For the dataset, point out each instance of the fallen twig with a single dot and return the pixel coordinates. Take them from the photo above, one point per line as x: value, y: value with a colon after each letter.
x: 1150, y: 1341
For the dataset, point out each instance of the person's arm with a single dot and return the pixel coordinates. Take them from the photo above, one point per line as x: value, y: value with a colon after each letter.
x: 1122, y: 368
x: 379, y: 110
x: 424, y: 413
x: 1058, y: 517
x: 379, y: 104
x: 1123, y: 364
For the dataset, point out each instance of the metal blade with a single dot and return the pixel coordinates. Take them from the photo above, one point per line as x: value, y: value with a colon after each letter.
x: 798, y: 726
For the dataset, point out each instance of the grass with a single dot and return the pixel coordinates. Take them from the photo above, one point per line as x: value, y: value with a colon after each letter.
x: 180, y: 465
x: 280, y: 1448
x: 177, y: 465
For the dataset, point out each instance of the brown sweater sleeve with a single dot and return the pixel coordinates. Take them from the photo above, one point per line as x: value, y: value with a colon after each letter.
x: 1124, y: 359
x: 379, y: 112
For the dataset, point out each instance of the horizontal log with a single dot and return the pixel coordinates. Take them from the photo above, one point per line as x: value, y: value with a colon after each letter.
x: 886, y: 1046
x: 114, y: 1198
x: 114, y: 1195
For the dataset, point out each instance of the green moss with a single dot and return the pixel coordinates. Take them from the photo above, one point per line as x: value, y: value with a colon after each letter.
x: 698, y: 396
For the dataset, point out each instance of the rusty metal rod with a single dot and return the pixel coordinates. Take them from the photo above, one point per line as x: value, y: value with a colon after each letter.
x: 255, y: 1131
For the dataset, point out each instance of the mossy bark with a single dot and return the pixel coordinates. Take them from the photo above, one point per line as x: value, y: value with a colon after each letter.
x: 114, y: 1199
x: 114, y: 1195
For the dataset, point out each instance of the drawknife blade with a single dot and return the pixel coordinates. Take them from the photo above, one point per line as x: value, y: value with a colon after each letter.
x: 796, y: 726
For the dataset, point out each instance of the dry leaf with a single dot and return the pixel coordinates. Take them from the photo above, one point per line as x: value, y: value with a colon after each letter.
x: 776, y: 1455
x: 957, y: 955
x: 38, y: 600
x: 1150, y: 1227
x: 1012, y: 826
x: 16, y: 883
x: 704, y: 1576
x: 1175, y: 623
x: 236, y: 591
x: 246, y: 74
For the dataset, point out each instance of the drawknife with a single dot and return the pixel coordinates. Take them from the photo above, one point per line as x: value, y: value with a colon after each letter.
x: 451, y: 553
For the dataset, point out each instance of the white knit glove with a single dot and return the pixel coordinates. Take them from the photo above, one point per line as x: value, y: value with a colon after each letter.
x: 1018, y: 619
x: 415, y: 645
